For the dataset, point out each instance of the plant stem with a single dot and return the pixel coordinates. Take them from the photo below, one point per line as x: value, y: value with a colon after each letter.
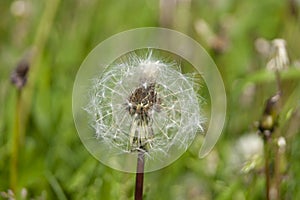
x: 41, y: 37
x: 277, y: 170
x: 139, y: 176
x: 278, y: 81
x: 15, y: 145
x: 277, y: 154
x: 267, y: 167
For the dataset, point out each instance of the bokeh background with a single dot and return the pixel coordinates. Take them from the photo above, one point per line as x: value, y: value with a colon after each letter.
x: 54, y: 37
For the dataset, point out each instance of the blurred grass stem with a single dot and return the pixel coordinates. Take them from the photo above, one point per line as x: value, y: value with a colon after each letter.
x: 42, y: 35
x: 277, y: 153
x: 277, y: 171
x: 139, y: 181
x: 15, y: 145
x: 267, y: 166
x: 278, y: 81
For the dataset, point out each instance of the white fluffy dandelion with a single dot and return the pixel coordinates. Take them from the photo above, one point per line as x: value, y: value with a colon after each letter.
x: 140, y: 105
x: 144, y: 104
x: 279, y: 56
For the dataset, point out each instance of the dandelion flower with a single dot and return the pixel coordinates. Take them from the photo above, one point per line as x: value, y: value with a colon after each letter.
x: 131, y: 102
x: 144, y: 104
x: 279, y: 57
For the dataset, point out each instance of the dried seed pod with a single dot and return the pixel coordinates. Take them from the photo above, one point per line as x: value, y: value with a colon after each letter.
x: 19, y: 75
x: 269, y: 118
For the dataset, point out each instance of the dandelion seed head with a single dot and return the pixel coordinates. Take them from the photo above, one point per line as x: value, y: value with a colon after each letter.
x: 144, y: 103
x: 279, y: 56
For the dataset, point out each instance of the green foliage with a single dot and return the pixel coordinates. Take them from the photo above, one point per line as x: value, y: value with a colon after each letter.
x: 53, y: 163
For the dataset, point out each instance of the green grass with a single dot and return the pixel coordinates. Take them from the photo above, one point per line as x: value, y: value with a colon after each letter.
x: 53, y: 163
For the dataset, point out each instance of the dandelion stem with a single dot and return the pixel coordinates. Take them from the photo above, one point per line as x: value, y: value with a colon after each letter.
x: 277, y: 172
x: 267, y: 169
x: 278, y: 81
x: 15, y: 145
x: 139, y: 176
x: 277, y: 154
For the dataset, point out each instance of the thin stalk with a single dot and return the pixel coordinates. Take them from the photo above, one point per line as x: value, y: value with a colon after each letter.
x: 39, y: 43
x: 267, y: 167
x: 139, y: 181
x: 277, y: 173
x: 278, y: 81
x: 41, y: 38
x: 277, y: 153
x: 15, y: 145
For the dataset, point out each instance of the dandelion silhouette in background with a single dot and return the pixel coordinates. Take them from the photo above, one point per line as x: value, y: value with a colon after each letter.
x: 144, y: 104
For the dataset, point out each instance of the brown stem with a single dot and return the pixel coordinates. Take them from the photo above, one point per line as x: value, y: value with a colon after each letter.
x: 277, y: 171
x: 277, y: 154
x: 139, y: 176
x: 267, y: 167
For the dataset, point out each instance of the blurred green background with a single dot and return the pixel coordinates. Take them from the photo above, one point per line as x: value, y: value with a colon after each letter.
x: 53, y: 163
